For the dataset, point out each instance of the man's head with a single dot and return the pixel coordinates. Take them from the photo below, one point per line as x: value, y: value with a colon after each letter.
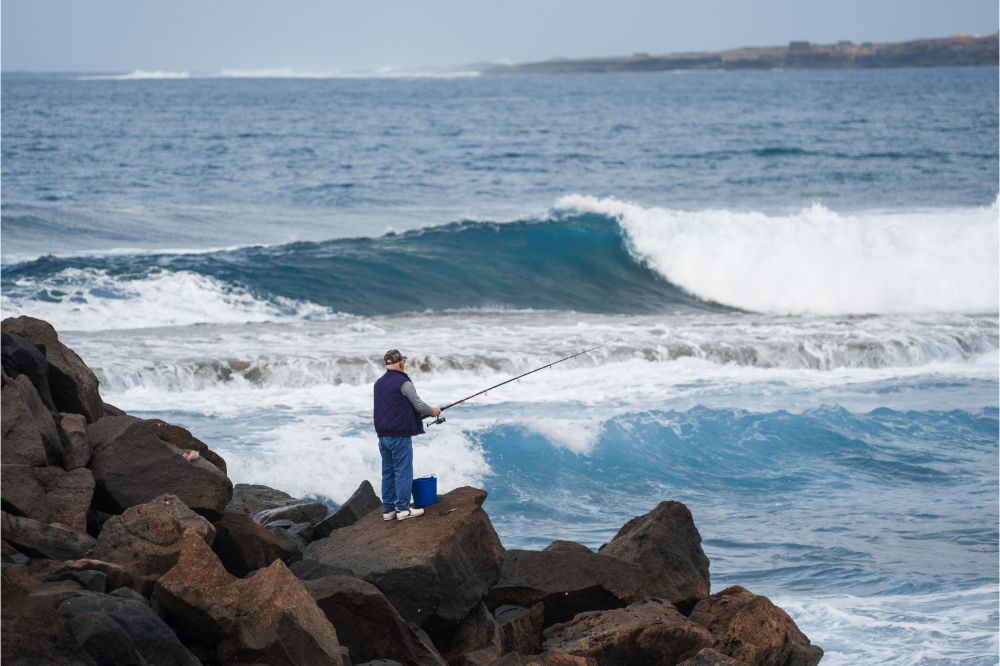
x: 394, y: 360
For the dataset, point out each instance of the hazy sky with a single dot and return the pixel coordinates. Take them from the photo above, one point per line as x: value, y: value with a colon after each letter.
x: 323, y: 35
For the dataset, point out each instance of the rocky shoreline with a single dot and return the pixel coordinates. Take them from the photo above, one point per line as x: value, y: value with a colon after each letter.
x: 119, y: 549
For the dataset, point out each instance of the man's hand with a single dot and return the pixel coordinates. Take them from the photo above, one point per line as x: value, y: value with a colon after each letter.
x: 435, y: 411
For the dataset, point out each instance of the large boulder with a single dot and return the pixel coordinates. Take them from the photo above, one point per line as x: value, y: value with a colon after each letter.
x: 476, y: 641
x: 146, y: 539
x: 544, y: 659
x: 434, y: 568
x: 520, y: 628
x: 368, y: 624
x: 22, y: 440
x: 41, y: 418
x: 20, y: 357
x: 74, y: 387
x: 253, y: 498
x: 185, y: 441
x: 48, y: 494
x: 651, y: 631
x: 132, y: 464
x: 100, y: 620
x: 568, y: 581
x: 242, y: 545
x: 710, y: 657
x: 361, y: 503
x: 302, y: 512
x: 751, y: 629
x: 667, y: 545
x: 75, y: 443
x: 38, y: 539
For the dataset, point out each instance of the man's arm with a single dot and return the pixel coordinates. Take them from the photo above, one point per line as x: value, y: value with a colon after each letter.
x: 422, y: 407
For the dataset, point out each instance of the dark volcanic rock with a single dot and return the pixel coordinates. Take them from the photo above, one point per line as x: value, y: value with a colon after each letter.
x: 75, y: 443
x: 42, y: 418
x: 38, y: 539
x: 133, y: 465
x: 303, y: 512
x: 709, y: 657
x: 242, y: 545
x: 751, y: 629
x: 251, y: 499
x: 368, y: 624
x: 93, y: 580
x: 544, y: 659
x: 520, y: 628
x: 116, y: 575
x: 667, y: 545
x: 48, y: 494
x: 105, y: 640
x: 651, y: 631
x: 434, y: 569
x: 311, y: 570
x: 22, y: 441
x: 146, y: 539
x: 477, y: 640
x: 566, y: 547
x: 185, y: 441
x: 361, y: 503
x: 568, y: 582
x: 34, y: 632
x: 20, y: 357
x: 74, y: 387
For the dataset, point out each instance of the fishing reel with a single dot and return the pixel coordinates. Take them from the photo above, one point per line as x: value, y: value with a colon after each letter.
x: 439, y: 419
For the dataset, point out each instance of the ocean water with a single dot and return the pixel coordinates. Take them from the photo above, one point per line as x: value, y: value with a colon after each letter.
x: 794, y: 274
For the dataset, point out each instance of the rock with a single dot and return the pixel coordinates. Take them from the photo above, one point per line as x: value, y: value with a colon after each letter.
x: 566, y: 547
x: 477, y: 640
x: 185, y: 441
x: 133, y: 465
x: 12, y: 555
x: 148, y: 634
x: 47, y: 494
x: 252, y: 499
x: 89, y: 579
x: 146, y: 539
x: 303, y: 512
x: 111, y: 410
x: 56, y: 592
x: 289, y: 541
x: 667, y: 545
x: 362, y: 502
x: 544, y: 659
x: 38, y: 539
x: 75, y: 443
x: 20, y: 357
x: 434, y: 569
x: 116, y: 575
x: 311, y: 570
x: 42, y: 418
x: 709, y: 657
x: 242, y: 545
x: 105, y: 640
x: 651, y: 631
x: 74, y: 387
x: 22, y: 442
x: 751, y: 629
x: 567, y: 582
x: 520, y: 628
x: 367, y: 623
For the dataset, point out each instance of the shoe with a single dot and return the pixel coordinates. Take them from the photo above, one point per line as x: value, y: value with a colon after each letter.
x: 412, y: 513
x: 388, y: 516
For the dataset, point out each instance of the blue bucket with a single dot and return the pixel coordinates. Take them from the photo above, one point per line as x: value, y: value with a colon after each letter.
x: 425, y: 491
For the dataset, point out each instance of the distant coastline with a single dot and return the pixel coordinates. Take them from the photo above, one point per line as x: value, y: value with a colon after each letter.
x: 959, y: 50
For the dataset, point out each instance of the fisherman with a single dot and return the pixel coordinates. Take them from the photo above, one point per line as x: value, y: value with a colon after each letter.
x: 398, y: 413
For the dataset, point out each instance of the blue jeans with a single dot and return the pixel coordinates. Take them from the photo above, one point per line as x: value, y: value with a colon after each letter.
x: 397, y: 472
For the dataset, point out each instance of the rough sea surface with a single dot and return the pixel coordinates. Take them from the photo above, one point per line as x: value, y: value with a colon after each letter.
x: 795, y: 274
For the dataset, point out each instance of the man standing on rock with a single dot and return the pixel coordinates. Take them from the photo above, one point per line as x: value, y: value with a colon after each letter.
x: 398, y: 413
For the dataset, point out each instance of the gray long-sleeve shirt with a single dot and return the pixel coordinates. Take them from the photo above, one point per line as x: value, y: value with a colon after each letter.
x: 410, y: 392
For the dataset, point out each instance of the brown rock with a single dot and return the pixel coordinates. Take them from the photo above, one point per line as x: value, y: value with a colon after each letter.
x: 651, y: 631
x: 566, y: 547
x: 667, y: 545
x: 48, y: 494
x: 242, y: 545
x: 42, y: 418
x: 434, y: 568
x: 709, y: 657
x: 74, y: 387
x: 751, y: 629
x: 185, y: 441
x: 251, y: 499
x: 521, y: 628
x: 368, y: 624
x: 544, y: 659
x: 477, y: 640
x: 117, y: 575
x: 361, y: 503
x: 22, y: 442
x: 75, y: 443
x: 133, y: 465
x: 20, y: 357
x: 146, y: 539
x: 38, y: 539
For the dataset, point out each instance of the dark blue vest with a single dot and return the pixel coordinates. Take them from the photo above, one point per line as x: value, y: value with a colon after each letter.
x: 394, y: 414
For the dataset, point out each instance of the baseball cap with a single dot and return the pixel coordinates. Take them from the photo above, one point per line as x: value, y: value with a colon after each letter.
x: 393, y: 356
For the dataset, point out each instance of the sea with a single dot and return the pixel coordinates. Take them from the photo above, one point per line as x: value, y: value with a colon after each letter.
x: 793, y: 274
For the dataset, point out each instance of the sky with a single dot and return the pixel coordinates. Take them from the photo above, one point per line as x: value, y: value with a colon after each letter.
x: 333, y: 35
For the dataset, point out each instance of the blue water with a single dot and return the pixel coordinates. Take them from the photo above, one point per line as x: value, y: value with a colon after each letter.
x: 795, y: 273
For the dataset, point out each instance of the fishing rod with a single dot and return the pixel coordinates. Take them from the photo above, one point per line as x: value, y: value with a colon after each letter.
x: 441, y: 419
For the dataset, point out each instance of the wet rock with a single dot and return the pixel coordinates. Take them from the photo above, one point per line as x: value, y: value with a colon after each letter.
x: 242, y: 545
x: 303, y: 512
x: 252, y: 499
x: 147, y: 633
x: 75, y: 443
x: 48, y: 494
x: 434, y: 569
x: 709, y: 657
x: 667, y: 545
x: 20, y: 357
x: 751, y: 629
x: 38, y: 539
x: 362, y: 502
x: 368, y: 624
x: 651, y: 631
x: 133, y: 465
x: 146, y: 539
x: 73, y: 386
x: 520, y: 628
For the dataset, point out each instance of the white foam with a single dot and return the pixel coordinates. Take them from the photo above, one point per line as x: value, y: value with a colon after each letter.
x: 139, y: 74
x: 818, y: 261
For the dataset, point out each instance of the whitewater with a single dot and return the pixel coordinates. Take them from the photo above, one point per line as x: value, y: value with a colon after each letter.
x: 794, y: 274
